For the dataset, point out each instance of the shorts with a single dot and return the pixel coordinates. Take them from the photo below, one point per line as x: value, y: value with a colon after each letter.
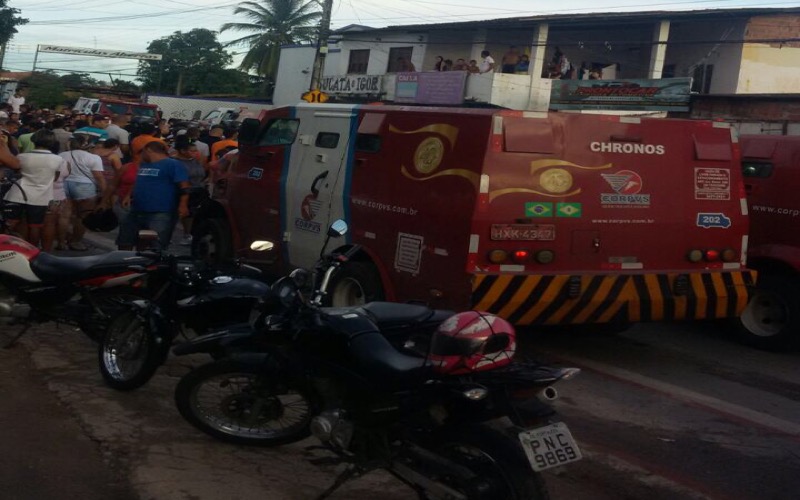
x: 34, y: 214
x: 80, y: 190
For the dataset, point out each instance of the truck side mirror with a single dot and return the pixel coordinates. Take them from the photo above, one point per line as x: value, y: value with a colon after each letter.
x: 248, y: 131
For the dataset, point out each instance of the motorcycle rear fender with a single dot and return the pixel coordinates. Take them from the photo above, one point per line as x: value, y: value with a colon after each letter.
x: 235, y: 336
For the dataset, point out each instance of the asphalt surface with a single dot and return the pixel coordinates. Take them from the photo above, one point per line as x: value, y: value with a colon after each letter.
x: 663, y: 411
x: 46, y: 453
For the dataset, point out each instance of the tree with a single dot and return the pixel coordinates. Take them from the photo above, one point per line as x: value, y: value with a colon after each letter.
x: 272, y: 23
x: 9, y: 20
x: 187, y: 59
x: 78, y: 80
x: 45, y: 89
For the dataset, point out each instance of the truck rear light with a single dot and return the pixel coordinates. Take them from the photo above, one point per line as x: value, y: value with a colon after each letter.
x: 695, y: 256
x: 545, y: 256
x: 498, y: 256
x: 521, y: 256
x: 711, y: 255
x: 729, y: 255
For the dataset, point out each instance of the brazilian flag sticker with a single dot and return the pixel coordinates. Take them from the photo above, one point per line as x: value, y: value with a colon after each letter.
x: 568, y: 209
x: 538, y: 209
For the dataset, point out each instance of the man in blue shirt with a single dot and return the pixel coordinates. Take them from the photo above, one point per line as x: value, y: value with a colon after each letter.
x: 97, y: 132
x: 162, y: 186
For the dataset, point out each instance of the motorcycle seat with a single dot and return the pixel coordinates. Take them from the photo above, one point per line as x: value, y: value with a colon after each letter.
x: 387, y: 314
x: 51, y: 268
x: 382, y: 364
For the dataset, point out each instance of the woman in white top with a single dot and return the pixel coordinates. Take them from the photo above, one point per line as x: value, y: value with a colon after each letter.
x: 56, y: 221
x: 84, y: 184
x: 34, y: 191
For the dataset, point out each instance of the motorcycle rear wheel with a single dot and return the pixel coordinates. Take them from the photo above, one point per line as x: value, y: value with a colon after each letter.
x: 500, y: 466
x: 111, y: 302
x: 129, y: 354
x: 240, y: 404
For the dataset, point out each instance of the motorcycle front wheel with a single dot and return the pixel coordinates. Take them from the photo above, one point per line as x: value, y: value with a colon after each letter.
x: 129, y: 354
x: 499, y: 466
x: 108, y: 304
x: 238, y: 403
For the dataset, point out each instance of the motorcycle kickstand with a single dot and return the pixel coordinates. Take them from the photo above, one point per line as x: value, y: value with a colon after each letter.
x: 352, y: 471
x: 13, y: 341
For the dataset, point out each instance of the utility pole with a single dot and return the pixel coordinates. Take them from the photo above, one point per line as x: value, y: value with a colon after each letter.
x: 322, y: 44
x: 2, y: 55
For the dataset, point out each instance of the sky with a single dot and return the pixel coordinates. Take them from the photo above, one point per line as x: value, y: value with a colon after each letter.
x: 132, y: 24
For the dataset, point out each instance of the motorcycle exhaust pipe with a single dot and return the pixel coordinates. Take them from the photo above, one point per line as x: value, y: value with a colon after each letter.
x: 549, y: 393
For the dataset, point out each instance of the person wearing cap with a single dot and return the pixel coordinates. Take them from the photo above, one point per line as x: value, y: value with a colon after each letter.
x: 229, y: 143
x: 97, y: 130
x: 147, y: 135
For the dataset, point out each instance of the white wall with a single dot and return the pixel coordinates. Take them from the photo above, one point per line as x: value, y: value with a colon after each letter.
x: 769, y: 69
x: 726, y: 57
x: 294, y: 74
x: 379, y: 51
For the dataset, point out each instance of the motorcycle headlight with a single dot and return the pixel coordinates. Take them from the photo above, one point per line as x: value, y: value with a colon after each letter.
x: 301, y: 278
x: 286, y: 290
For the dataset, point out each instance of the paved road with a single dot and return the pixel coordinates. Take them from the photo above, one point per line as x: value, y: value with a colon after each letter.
x: 662, y: 412
x: 46, y: 454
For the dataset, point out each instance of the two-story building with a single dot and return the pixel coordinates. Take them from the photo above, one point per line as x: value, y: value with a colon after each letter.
x: 744, y: 64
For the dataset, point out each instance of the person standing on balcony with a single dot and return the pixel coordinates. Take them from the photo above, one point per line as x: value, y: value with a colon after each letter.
x: 510, y: 60
x: 487, y: 64
x: 404, y: 65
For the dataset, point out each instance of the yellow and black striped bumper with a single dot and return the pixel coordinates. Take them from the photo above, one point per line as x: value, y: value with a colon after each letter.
x: 581, y: 299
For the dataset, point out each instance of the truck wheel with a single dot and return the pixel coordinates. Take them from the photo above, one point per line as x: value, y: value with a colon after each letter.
x: 771, y: 320
x: 355, y: 284
x: 211, y: 241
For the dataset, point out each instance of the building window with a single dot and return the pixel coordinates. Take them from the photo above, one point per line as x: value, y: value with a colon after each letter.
x: 701, y: 78
x: 358, y: 62
x: 396, y: 53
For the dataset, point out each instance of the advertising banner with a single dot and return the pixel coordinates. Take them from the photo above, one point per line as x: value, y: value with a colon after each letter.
x: 351, y: 84
x: 665, y: 94
x: 431, y: 87
x: 117, y: 54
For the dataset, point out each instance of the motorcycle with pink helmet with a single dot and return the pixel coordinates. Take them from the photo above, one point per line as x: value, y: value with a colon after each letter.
x: 438, y: 421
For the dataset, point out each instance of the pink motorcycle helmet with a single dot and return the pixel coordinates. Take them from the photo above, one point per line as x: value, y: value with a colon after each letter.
x: 472, y: 341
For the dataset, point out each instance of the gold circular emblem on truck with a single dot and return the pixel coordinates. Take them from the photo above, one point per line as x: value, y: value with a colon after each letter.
x: 428, y: 155
x: 556, y: 180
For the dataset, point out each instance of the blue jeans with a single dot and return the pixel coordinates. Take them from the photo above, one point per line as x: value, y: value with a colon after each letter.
x: 161, y: 222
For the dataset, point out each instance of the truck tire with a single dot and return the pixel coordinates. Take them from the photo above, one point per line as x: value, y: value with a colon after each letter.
x: 771, y: 320
x: 211, y: 241
x: 355, y: 284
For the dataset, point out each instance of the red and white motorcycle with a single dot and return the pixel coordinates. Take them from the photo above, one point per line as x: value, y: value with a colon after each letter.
x: 84, y: 291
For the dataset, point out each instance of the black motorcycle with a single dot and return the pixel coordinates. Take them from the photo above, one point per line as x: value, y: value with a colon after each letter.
x: 186, y: 295
x: 331, y: 371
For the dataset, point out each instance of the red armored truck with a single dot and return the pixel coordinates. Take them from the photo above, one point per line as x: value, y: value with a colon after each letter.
x: 771, y: 169
x: 542, y: 218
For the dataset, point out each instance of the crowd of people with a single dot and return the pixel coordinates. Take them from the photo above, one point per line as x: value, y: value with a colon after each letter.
x: 65, y: 171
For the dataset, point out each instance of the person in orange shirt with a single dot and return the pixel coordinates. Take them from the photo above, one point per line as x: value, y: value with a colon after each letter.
x: 146, y: 136
x: 231, y: 141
